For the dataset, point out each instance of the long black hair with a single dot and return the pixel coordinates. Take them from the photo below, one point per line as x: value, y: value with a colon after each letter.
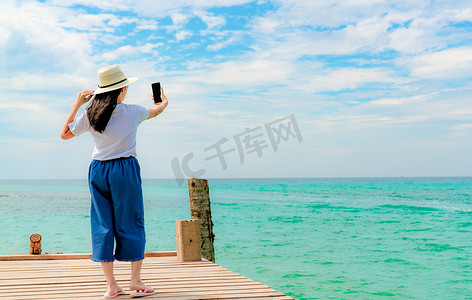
x: 100, y: 109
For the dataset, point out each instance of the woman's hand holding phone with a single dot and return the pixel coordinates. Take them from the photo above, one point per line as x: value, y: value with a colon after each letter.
x: 158, y: 95
x: 159, y: 106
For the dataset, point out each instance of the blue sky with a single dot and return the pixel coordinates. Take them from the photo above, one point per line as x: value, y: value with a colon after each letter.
x: 377, y: 88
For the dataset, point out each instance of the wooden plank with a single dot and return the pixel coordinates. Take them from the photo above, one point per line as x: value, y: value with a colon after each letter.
x: 146, y: 266
x: 61, y: 256
x: 154, y: 277
x: 270, y: 298
x: 86, y: 262
x: 187, y: 289
x: 147, y: 263
x: 83, y: 279
x: 182, y: 284
x: 146, y: 269
x: 25, y: 274
x: 158, y: 285
x: 96, y: 279
x: 90, y: 272
x: 71, y: 264
x: 186, y: 296
x: 79, y: 294
x: 161, y: 288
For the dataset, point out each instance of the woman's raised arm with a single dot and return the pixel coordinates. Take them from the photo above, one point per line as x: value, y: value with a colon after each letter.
x: 82, y: 98
x: 156, y: 110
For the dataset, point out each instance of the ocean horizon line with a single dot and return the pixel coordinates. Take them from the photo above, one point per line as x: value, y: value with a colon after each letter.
x: 242, y: 178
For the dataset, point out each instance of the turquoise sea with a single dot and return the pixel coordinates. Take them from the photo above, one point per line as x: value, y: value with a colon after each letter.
x: 311, y: 238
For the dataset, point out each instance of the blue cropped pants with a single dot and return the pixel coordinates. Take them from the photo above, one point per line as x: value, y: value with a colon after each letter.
x: 116, y: 212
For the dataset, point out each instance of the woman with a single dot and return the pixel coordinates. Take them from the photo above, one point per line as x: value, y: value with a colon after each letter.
x: 114, y: 175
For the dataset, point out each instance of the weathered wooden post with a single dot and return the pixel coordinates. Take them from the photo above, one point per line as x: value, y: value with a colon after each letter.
x: 188, y: 240
x: 200, y: 209
x: 35, y: 244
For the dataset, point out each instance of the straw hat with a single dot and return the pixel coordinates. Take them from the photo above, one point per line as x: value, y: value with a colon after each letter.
x: 111, y: 78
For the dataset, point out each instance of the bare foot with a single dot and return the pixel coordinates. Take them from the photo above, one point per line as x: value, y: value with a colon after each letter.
x: 113, y: 291
x: 139, y: 286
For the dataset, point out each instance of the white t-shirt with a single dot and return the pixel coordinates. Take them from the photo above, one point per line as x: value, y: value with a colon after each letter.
x: 119, y: 137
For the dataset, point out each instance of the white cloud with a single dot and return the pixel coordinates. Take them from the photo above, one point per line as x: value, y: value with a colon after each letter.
x: 266, y: 25
x: 104, y: 22
x: 449, y: 63
x: 96, y: 22
x: 351, y: 27
x: 183, y: 35
x: 167, y: 8
x: 41, y: 82
x: 112, y: 5
x: 407, y: 40
x: 4, y: 35
x: 147, y: 25
x: 120, y: 52
x: 210, y: 20
x: 456, y: 112
x: 463, y: 14
x: 149, y: 8
x: 179, y: 19
x: 129, y: 50
x: 362, y: 122
x: 346, y: 78
x: 36, y: 39
x: 178, y: 23
x: 467, y: 126
x: 31, y: 107
x: 242, y: 74
x: 402, y: 100
x: 221, y: 45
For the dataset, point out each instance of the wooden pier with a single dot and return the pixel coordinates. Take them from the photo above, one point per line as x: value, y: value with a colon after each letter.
x: 185, y: 274
x: 75, y: 276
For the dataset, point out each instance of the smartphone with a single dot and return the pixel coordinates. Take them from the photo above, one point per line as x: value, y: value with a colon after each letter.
x: 156, y: 91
